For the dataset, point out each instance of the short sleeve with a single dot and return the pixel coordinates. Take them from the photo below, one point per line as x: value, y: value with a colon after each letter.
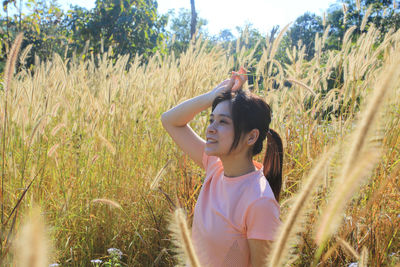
x: 262, y: 219
x: 211, y: 165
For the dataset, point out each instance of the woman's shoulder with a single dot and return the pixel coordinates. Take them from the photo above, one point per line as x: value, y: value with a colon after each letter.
x: 260, y: 188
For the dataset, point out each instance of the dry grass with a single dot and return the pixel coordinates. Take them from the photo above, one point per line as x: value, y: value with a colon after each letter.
x: 90, y: 129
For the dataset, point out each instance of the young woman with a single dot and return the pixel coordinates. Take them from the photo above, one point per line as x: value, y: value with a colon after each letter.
x: 237, y: 211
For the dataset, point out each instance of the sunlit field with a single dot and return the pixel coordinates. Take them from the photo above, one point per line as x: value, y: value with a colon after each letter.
x: 82, y: 140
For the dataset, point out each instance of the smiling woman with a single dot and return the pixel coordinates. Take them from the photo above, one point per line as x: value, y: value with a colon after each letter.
x: 237, y: 212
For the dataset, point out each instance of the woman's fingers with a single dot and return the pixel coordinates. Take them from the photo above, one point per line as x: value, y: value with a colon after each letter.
x: 240, y: 78
x: 236, y: 82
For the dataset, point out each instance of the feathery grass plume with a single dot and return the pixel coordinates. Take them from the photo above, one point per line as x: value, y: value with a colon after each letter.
x: 24, y: 54
x: 52, y: 150
x: 347, y: 247
x: 348, y: 34
x: 108, y: 202
x: 288, y: 229
x: 365, y: 18
x: 343, y: 191
x: 329, y: 253
x: 182, y: 239
x: 156, y: 180
x: 159, y: 256
x: 32, y: 247
x: 12, y: 59
x: 325, y: 36
x: 107, y: 143
x: 344, y: 8
x: 324, y: 20
x: 8, y: 74
x: 344, y: 13
x: 358, y: 5
x: 57, y: 128
x: 35, y: 129
x: 276, y: 43
x: 363, y: 262
x: 387, y: 80
x: 303, y: 85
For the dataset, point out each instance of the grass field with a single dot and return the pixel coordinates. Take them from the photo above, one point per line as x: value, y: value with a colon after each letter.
x: 86, y: 134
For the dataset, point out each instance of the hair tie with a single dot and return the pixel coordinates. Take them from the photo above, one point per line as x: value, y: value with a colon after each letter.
x: 269, y: 132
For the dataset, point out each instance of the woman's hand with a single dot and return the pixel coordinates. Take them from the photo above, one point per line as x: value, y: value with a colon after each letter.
x: 223, y: 87
x: 234, y: 83
x: 240, y: 78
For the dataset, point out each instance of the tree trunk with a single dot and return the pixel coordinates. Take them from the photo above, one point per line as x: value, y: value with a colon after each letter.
x: 194, y: 20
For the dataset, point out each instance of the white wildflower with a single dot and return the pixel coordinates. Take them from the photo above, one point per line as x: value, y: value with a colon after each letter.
x: 115, y: 252
x: 96, y: 261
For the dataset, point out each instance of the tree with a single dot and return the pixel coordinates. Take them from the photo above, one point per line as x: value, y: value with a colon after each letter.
x: 193, y: 21
x: 180, y: 34
x: 304, y: 29
x: 129, y: 26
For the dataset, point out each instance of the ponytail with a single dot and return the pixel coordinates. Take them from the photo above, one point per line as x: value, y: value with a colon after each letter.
x: 273, y: 162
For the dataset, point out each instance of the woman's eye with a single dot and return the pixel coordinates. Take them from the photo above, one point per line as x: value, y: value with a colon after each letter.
x: 222, y: 121
x: 211, y: 120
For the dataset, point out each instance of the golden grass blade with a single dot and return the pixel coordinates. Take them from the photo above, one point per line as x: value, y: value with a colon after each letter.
x: 303, y: 85
x: 287, y: 230
x: 57, y: 128
x: 276, y: 43
x: 358, y: 5
x: 156, y: 180
x: 181, y: 237
x: 52, y: 150
x: 348, y: 34
x: 12, y: 59
x: 348, y: 248
x: 32, y: 247
x: 107, y: 143
x: 388, y: 79
x: 342, y: 193
x: 344, y: 13
x: 24, y: 54
x: 108, y: 202
x: 365, y: 18
x: 363, y: 262
x: 8, y: 74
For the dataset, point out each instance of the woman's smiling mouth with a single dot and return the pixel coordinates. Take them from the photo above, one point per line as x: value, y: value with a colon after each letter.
x: 211, y: 141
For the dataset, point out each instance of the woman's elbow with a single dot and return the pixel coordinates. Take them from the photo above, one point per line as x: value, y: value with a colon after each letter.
x: 164, y: 119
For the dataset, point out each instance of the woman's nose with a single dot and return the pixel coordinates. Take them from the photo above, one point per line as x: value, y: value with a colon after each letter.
x: 210, y: 128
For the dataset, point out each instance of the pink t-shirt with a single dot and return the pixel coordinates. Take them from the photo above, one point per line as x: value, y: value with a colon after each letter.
x: 229, y: 211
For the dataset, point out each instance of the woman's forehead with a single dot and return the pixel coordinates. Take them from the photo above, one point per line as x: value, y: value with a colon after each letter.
x: 223, y: 108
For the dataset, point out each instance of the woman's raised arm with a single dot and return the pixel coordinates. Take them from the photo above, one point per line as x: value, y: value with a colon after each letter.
x: 175, y: 121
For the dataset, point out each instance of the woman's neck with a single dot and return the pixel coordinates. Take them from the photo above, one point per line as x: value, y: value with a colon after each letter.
x: 237, y: 165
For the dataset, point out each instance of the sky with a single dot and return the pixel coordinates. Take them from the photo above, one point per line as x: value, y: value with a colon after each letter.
x: 227, y: 14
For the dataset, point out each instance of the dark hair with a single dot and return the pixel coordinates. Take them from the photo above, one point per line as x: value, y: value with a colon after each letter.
x: 249, y: 112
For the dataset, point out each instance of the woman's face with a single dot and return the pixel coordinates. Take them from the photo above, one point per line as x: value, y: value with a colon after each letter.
x: 220, y: 132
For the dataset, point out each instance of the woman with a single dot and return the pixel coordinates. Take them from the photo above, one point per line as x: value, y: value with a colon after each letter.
x: 237, y: 211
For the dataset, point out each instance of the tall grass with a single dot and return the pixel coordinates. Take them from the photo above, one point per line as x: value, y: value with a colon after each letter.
x: 90, y: 132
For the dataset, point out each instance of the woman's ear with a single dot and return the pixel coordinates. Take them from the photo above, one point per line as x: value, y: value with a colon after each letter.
x: 252, y: 137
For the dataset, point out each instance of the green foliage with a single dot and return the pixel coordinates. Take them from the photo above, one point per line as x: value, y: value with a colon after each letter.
x: 179, y: 34
x: 129, y: 27
x: 303, y: 31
